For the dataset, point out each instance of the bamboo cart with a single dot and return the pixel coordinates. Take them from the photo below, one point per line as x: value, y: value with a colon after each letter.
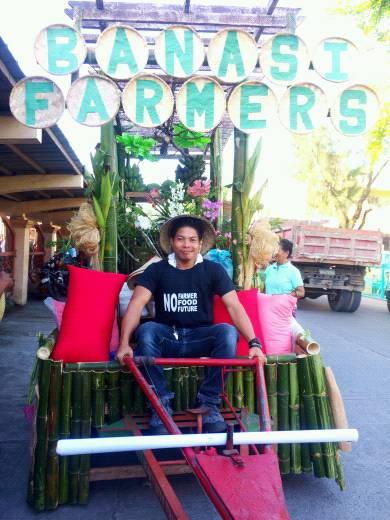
x: 84, y: 400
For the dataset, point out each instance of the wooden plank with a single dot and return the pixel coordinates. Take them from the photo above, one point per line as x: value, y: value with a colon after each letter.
x: 25, y: 158
x: 13, y: 132
x: 22, y: 183
x: 134, y: 471
x: 57, y: 218
x: 40, y: 205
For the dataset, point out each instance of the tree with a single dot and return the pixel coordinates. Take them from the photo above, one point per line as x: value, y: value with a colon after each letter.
x: 372, y: 15
x: 334, y: 186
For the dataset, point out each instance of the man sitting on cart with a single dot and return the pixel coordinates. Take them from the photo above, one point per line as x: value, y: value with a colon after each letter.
x: 183, y: 287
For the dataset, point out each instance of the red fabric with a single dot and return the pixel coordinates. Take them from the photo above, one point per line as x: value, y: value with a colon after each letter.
x: 88, y: 316
x: 58, y: 310
x: 249, y: 300
x: 270, y: 316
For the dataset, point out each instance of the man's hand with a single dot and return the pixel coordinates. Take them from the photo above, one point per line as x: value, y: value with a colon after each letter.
x: 257, y: 352
x: 123, y: 351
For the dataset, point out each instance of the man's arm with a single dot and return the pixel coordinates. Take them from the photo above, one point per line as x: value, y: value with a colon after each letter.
x: 131, y: 319
x: 241, y: 321
x: 298, y: 292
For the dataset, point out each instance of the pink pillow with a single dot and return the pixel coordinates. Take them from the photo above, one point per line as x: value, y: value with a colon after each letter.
x: 88, y: 316
x: 58, y: 310
x: 275, y: 312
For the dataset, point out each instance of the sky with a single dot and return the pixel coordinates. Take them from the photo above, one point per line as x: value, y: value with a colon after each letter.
x: 284, y: 196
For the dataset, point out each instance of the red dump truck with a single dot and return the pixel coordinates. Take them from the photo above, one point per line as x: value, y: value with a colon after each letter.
x: 333, y: 261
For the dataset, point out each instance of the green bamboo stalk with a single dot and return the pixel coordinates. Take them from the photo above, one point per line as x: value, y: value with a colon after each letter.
x: 96, y: 366
x: 139, y: 401
x: 285, y: 358
x: 193, y: 386
x: 306, y: 387
x: 113, y: 396
x: 109, y: 146
x: 306, y: 464
x: 238, y: 384
x: 271, y: 378
x: 216, y: 157
x: 75, y: 431
x: 126, y: 384
x: 168, y: 373
x: 98, y: 399
x: 85, y: 433
x: 249, y: 385
x: 201, y: 371
x: 40, y: 455
x: 283, y: 415
x: 65, y: 434
x: 294, y: 417
x: 237, y: 219
x: 177, y: 388
x: 229, y: 387
x: 324, y: 419
x: 52, y: 469
x: 185, y: 394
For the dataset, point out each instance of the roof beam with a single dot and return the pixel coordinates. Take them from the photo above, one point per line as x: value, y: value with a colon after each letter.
x: 269, y: 9
x: 13, y: 132
x: 56, y: 218
x: 22, y: 183
x: 14, y: 209
x: 25, y: 158
x: 171, y: 14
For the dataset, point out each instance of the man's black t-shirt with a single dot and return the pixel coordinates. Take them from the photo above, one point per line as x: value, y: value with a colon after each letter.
x: 184, y: 297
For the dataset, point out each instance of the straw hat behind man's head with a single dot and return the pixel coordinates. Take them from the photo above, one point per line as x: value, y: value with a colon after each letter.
x: 203, y: 227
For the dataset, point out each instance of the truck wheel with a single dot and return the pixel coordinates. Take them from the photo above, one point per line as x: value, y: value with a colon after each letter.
x: 341, y: 301
x: 355, y: 301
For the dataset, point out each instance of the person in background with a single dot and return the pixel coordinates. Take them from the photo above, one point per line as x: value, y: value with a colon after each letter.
x: 282, y: 277
x: 183, y: 286
x: 6, y: 282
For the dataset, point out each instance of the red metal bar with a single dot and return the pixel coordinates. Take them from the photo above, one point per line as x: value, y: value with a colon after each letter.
x: 164, y: 491
x: 170, y: 425
x: 188, y: 362
x: 262, y: 401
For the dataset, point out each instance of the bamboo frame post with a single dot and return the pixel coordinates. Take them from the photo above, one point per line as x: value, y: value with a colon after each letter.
x: 295, y: 455
x: 283, y: 415
x: 85, y: 432
x: 65, y: 434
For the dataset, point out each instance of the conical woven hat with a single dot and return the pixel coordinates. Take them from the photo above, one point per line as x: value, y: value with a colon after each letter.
x: 208, y: 240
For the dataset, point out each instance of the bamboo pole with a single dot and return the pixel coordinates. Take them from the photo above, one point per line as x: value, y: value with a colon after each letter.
x: 113, y: 396
x: 307, y: 345
x: 310, y: 413
x: 126, y: 384
x: 40, y: 456
x: 75, y: 430
x: 52, y: 469
x: 95, y: 366
x: 238, y: 384
x: 249, y: 385
x: 337, y: 406
x: 216, y: 157
x: 283, y: 415
x: 85, y: 433
x: 284, y: 358
x: 193, y: 386
x: 177, y: 388
x: 65, y: 434
x: 306, y: 464
x: 323, y: 416
x: 185, y: 401
x: 229, y: 387
x: 271, y: 377
x: 295, y: 454
x: 98, y: 399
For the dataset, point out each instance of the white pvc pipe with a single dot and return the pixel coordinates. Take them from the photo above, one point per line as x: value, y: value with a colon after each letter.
x: 153, y: 442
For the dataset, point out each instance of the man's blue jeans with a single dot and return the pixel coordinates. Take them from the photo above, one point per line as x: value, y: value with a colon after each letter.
x: 215, y: 341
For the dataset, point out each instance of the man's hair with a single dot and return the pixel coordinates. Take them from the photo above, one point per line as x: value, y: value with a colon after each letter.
x: 286, y: 245
x: 187, y: 222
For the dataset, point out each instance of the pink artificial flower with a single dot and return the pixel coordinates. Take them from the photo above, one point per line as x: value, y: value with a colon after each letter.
x: 154, y: 193
x: 199, y: 188
x: 212, y: 208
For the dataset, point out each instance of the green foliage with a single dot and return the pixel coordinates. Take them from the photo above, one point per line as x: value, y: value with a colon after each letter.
x: 379, y: 137
x: 334, y: 187
x: 137, y: 146
x: 190, y: 169
x: 185, y: 138
x: 372, y: 15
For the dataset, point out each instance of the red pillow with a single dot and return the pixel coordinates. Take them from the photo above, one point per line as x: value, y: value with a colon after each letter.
x: 249, y: 300
x: 88, y: 316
